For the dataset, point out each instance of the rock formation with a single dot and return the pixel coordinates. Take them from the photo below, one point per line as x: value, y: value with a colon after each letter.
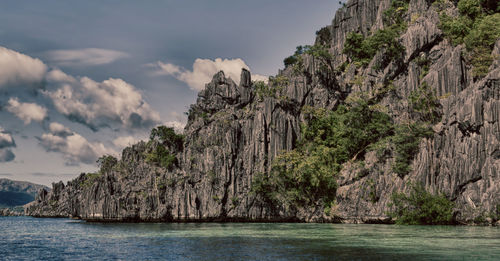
x: 17, y: 193
x: 234, y: 132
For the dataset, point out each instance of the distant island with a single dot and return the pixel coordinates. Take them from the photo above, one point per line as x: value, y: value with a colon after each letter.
x: 15, y: 194
x: 392, y: 116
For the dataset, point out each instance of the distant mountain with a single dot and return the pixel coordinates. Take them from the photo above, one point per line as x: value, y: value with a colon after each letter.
x: 17, y: 193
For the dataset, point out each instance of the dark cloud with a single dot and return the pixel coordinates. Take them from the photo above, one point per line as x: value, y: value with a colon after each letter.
x: 6, y: 142
x: 6, y: 155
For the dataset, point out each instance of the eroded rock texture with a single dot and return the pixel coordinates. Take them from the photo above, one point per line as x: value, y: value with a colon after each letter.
x: 234, y: 132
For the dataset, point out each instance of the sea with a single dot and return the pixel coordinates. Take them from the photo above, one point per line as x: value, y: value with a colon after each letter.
x: 27, y: 238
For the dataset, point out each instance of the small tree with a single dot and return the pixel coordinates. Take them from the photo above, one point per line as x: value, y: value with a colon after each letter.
x: 106, y: 162
x: 167, y: 136
x: 420, y: 207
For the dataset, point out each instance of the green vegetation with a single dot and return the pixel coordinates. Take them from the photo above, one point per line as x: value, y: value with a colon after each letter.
x: 235, y: 201
x: 319, y: 51
x: 480, y: 41
x: 361, y: 50
x: 477, y: 26
x: 216, y: 199
x: 372, y: 193
x: 90, y: 179
x: 263, y: 90
x: 275, y: 85
x: 295, y: 58
x: 406, y: 142
x: 162, y: 140
x: 425, y: 103
x: 167, y: 137
x: 421, y: 208
x: 161, y: 184
x: 212, y: 177
x: 161, y: 155
x: 307, y: 174
x: 323, y: 37
x: 106, y: 163
x: 424, y: 63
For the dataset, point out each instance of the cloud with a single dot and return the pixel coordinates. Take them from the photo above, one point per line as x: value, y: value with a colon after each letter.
x: 74, y: 147
x: 178, y: 126
x: 42, y: 174
x: 6, y: 139
x: 6, y: 142
x: 59, y: 129
x: 84, y: 57
x: 98, y: 104
x: 123, y: 142
x: 83, y: 100
x: 17, y: 68
x: 203, y: 71
x: 57, y: 75
x: 6, y: 155
x: 27, y: 112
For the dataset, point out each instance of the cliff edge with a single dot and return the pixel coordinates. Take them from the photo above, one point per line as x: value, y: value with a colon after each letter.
x: 397, y: 56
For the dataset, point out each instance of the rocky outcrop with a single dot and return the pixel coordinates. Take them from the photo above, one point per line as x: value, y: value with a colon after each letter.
x: 6, y: 212
x: 234, y: 132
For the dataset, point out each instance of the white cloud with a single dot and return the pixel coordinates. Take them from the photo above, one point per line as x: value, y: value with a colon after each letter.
x: 6, y: 139
x: 84, y: 57
x: 6, y: 142
x: 123, y: 142
x: 176, y: 125
x: 17, y: 68
x: 59, y: 129
x: 74, y: 147
x: 100, y: 103
x: 27, y: 112
x: 57, y: 75
x: 203, y: 71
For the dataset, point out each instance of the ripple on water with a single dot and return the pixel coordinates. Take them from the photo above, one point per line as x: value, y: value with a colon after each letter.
x: 25, y: 238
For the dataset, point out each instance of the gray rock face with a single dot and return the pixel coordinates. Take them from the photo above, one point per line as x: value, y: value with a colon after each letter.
x: 234, y: 132
x: 6, y: 212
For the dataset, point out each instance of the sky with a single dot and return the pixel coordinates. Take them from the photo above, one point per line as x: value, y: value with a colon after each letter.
x: 80, y: 79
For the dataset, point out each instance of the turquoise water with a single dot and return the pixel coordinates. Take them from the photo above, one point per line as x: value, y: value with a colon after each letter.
x: 25, y: 238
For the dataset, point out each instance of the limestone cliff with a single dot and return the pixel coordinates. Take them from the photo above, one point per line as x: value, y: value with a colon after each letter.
x: 234, y: 132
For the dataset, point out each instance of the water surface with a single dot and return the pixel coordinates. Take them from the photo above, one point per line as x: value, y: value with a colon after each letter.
x: 25, y: 238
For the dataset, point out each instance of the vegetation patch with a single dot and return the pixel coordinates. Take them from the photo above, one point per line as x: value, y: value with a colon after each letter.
x: 319, y: 51
x: 161, y: 155
x: 163, y: 143
x: 167, y: 136
x: 361, y: 50
x: 406, y: 142
x: 477, y: 26
x: 420, y: 207
x: 307, y: 175
x: 90, y: 179
x: 106, y: 163
x: 425, y: 104
x: 275, y: 85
